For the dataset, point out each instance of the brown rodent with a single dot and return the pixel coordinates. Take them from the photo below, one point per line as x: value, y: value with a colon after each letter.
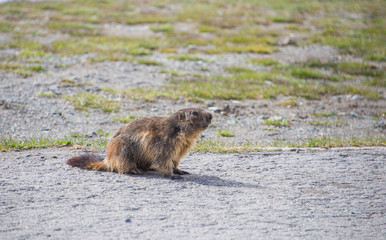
x: 150, y: 143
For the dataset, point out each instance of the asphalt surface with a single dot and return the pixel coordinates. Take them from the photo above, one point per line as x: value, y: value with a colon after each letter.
x: 322, y: 194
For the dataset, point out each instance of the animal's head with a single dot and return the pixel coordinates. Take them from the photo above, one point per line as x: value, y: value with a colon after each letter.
x: 195, y: 119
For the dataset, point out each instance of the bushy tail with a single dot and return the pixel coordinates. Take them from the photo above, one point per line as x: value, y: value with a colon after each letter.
x: 88, y: 161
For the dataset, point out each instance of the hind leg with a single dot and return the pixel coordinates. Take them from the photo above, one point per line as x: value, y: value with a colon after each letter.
x: 119, y: 165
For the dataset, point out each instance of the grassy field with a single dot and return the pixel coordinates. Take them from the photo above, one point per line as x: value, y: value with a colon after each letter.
x: 355, y: 28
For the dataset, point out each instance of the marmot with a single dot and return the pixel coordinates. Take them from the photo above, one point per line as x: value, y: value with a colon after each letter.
x: 150, y: 143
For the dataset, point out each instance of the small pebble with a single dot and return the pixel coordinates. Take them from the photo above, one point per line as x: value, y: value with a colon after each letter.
x: 128, y: 220
x: 214, y: 109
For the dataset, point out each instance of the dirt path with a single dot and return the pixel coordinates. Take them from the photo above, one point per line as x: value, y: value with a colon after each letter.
x: 334, y: 194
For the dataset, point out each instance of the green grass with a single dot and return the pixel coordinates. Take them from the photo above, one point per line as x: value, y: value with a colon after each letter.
x: 305, y: 73
x: 145, y: 94
x: 148, y: 18
x: 324, y: 114
x: 70, y: 82
x: 351, y: 68
x: 240, y: 70
x: 48, y: 94
x: 139, y: 51
x: 207, y: 29
x: 164, y: 28
x: 24, y: 70
x: 106, y: 46
x: 264, y: 61
x: 113, y: 57
x: 83, y: 101
x: 11, y: 143
x: 381, y: 57
x: 289, y: 102
x: 283, y: 19
x: 362, y: 90
x: 186, y: 58
x: 276, y: 122
x: 246, y: 48
x: 74, y: 28
x: 377, y: 82
x: 21, y: 42
x: 225, y: 133
x: 326, y: 123
x: 319, y: 142
x: 5, y: 26
x: 234, y: 25
x: 237, y: 27
x: 149, y: 62
x: 223, y: 147
x: 125, y: 118
x: 173, y: 73
x: 328, y: 142
x: 244, y: 83
x: 26, y: 53
x: 365, y: 39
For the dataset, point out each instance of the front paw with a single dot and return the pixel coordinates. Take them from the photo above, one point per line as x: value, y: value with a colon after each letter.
x: 136, y: 171
x: 180, y: 172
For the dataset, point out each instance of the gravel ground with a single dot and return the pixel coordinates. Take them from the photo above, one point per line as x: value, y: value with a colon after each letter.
x: 321, y: 194
x: 24, y: 114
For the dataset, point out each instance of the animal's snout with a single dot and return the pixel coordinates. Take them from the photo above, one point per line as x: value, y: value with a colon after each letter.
x: 209, y: 117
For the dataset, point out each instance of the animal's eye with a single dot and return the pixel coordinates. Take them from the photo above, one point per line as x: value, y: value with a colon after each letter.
x: 195, y: 113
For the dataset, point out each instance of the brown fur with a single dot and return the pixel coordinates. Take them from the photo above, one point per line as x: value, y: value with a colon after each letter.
x: 150, y: 143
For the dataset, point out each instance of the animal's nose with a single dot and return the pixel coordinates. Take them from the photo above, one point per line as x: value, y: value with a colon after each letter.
x: 210, y: 117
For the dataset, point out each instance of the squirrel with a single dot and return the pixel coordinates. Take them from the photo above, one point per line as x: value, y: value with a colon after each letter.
x: 151, y: 143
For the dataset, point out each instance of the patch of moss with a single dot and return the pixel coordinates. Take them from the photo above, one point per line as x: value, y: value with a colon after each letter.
x: 264, y: 61
x: 125, y: 118
x: 352, y: 68
x: 83, y: 101
x: 247, y: 48
x: 323, y: 114
x: 164, y: 28
x: 6, y: 26
x: 326, y: 123
x: 10, y: 143
x: 21, y: 69
x: 277, y: 122
x: 150, y: 62
x: 48, y: 94
x: 186, y: 58
x: 74, y: 28
x: 289, y: 102
x: 225, y: 133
